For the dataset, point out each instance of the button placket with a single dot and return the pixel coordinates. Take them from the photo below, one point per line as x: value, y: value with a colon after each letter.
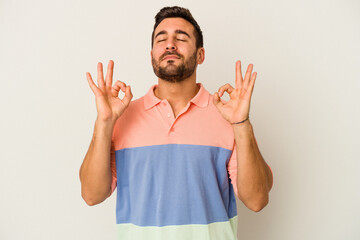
x: 172, y: 128
x: 166, y: 112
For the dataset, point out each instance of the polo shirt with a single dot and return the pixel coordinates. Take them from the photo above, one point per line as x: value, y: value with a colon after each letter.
x: 175, y: 176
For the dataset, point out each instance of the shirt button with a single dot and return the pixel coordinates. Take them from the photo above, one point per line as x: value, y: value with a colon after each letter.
x: 164, y: 103
x: 169, y: 114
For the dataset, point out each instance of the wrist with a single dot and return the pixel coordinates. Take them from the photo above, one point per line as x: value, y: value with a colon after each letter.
x: 105, y: 121
x: 243, y: 128
x: 104, y: 126
x: 246, y: 119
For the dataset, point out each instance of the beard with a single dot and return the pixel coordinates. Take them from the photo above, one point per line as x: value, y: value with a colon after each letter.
x: 173, y: 73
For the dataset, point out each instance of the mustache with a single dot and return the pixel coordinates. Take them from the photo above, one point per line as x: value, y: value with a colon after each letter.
x: 170, y: 53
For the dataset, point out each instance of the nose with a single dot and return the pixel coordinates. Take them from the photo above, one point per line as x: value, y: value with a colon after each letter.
x: 170, y: 46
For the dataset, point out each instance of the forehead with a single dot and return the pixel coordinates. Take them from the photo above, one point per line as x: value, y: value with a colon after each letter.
x: 172, y: 24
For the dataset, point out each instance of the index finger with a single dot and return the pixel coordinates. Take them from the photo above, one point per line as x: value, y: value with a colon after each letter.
x: 92, y: 85
x: 109, y: 74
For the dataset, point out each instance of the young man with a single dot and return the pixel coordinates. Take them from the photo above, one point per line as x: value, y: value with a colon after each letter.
x: 178, y: 154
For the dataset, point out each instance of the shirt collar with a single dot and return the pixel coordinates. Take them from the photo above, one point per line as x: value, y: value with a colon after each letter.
x: 201, y: 99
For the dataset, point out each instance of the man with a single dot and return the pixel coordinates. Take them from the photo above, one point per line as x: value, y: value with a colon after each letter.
x: 178, y: 154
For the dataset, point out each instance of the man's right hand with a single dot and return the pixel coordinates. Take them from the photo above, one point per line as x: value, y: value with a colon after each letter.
x: 109, y: 106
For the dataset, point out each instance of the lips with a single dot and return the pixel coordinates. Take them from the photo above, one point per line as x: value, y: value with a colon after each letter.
x: 170, y: 57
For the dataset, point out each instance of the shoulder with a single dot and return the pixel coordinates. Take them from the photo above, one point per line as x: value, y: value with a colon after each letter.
x: 131, y: 113
x: 136, y: 104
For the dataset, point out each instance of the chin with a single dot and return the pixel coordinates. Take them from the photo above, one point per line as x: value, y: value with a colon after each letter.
x: 169, y: 62
x: 170, y: 65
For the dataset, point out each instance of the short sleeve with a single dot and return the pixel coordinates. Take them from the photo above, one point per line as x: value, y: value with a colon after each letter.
x: 113, y: 168
x: 232, y: 169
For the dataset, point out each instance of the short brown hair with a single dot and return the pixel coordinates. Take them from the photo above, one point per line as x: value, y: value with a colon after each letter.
x: 174, y: 12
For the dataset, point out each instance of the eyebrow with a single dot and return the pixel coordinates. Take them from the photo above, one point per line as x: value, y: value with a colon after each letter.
x: 176, y: 31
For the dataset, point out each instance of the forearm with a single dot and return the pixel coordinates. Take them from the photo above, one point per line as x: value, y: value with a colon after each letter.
x: 254, y: 178
x: 95, y: 171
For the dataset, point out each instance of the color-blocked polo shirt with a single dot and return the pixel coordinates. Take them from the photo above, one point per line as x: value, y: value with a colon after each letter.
x: 175, y: 176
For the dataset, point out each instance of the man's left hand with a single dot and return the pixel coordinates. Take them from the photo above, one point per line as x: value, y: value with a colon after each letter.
x: 238, y: 107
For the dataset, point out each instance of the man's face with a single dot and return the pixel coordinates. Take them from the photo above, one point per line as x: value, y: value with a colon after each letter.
x: 174, y: 54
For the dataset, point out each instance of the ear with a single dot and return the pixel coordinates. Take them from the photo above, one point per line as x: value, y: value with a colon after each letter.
x: 200, y: 55
x: 151, y: 56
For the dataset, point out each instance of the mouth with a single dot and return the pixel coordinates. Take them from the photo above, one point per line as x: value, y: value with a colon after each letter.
x: 168, y: 57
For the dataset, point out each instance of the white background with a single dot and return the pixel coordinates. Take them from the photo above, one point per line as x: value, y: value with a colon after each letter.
x: 305, y: 107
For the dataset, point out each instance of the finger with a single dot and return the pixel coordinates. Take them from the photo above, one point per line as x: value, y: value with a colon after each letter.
x: 247, y: 77
x: 227, y: 87
x: 109, y: 74
x: 100, y: 76
x: 252, y: 83
x: 118, y: 85
x: 115, y: 91
x: 128, y: 96
x: 217, y: 101
x: 92, y: 85
x: 238, y: 77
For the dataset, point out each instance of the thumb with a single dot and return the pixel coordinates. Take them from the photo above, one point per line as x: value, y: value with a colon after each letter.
x: 217, y: 101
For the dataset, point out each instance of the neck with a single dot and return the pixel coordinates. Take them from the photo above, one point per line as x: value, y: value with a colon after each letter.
x: 177, y: 94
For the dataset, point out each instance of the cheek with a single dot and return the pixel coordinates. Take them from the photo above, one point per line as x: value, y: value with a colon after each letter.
x: 186, y: 50
x: 154, y: 57
x: 156, y: 53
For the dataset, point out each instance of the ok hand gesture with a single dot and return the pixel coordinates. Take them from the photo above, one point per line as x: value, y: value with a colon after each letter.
x: 109, y: 106
x: 238, y: 107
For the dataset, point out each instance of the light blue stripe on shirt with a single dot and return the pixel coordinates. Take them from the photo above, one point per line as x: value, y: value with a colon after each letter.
x: 173, y: 184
